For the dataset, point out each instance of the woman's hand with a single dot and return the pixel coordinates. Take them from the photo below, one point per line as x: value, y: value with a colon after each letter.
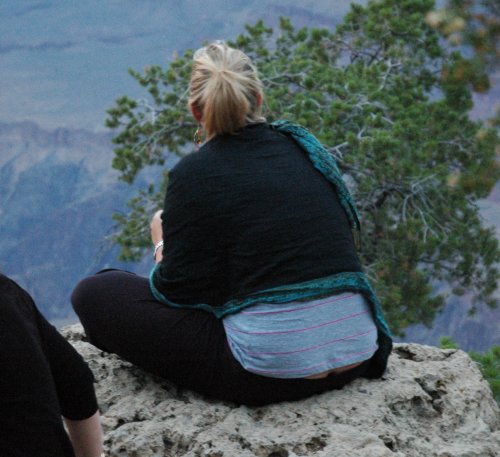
x: 157, y: 234
x: 156, y: 230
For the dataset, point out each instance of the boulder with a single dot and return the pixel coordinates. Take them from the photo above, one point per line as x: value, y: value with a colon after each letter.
x: 430, y: 402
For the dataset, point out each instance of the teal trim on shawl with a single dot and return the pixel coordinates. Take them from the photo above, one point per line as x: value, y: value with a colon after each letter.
x: 324, y: 162
x: 303, y: 291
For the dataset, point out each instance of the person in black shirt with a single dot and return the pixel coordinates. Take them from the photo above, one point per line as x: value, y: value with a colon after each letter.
x: 41, y: 378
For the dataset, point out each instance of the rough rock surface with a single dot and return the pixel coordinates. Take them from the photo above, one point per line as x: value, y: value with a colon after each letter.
x: 430, y: 402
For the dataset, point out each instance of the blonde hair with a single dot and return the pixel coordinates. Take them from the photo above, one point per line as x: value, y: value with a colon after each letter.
x: 225, y: 88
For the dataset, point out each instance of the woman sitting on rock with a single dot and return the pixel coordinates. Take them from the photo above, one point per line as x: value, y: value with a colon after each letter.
x: 258, y: 295
x: 41, y: 378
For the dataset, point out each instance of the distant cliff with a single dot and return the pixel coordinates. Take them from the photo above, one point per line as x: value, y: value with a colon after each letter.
x: 430, y: 403
x: 57, y: 194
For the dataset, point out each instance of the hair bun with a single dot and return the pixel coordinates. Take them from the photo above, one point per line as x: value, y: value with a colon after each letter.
x: 225, y: 88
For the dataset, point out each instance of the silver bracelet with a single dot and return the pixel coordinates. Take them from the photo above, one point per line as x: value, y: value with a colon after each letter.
x: 157, y: 246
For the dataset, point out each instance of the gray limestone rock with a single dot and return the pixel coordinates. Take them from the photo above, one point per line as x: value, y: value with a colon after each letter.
x: 430, y: 403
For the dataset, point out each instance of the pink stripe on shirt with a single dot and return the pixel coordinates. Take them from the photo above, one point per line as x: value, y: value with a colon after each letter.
x: 299, y: 329
x: 371, y: 349
x: 311, y: 347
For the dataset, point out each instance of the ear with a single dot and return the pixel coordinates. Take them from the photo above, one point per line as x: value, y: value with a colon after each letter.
x: 196, y: 112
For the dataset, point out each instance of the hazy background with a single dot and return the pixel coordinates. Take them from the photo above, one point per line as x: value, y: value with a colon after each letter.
x: 62, y: 64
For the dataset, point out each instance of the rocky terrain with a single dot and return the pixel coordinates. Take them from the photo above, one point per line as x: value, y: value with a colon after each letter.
x: 430, y: 403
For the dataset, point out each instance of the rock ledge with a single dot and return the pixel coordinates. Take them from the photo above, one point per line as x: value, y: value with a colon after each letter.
x: 430, y: 403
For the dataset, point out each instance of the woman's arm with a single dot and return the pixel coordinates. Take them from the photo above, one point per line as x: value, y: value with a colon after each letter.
x: 85, y: 436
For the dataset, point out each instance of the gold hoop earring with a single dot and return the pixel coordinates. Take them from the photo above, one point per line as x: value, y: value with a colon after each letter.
x: 198, y: 137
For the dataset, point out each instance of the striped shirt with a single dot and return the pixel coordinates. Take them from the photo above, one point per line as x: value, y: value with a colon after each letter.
x: 300, y: 339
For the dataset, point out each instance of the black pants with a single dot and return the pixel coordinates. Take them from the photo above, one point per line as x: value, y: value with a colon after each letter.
x: 187, y: 347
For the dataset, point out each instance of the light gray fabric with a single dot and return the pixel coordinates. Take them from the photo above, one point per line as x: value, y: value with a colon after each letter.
x: 299, y: 339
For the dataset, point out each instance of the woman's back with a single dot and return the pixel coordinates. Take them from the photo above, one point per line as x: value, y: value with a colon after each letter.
x: 249, y: 212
